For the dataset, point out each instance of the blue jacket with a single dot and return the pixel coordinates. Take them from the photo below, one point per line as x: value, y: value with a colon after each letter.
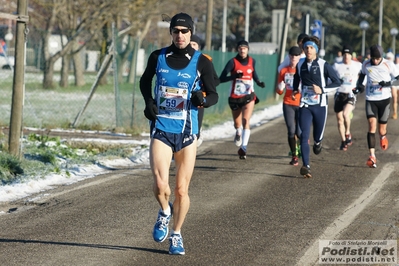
x: 321, y: 74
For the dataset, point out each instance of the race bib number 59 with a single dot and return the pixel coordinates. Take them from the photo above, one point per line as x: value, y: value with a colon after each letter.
x: 172, y: 101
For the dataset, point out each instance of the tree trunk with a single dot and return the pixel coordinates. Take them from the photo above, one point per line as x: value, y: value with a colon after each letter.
x: 103, y: 79
x: 48, y: 75
x: 65, y: 71
x: 136, y: 47
x: 79, y: 68
x: 123, y: 56
x: 104, y: 50
x: 120, y: 61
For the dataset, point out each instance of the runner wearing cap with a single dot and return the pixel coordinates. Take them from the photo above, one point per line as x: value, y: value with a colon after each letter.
x: 242, y: 93
x: 379, y: 72
x: 172, y: 108
x: 345, y: 98
x: 290, y: 105
x: 286, y: 61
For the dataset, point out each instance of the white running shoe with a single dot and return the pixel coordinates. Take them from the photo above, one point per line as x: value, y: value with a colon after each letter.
x: 237, y: 140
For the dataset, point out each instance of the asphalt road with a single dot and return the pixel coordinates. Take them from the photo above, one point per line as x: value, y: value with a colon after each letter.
x: 258, y: 211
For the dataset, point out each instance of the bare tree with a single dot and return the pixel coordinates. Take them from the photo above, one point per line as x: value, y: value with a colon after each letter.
x: 135, y: 23
x: 83, y: 22
x: 68, y: 20
x: 92, y: 17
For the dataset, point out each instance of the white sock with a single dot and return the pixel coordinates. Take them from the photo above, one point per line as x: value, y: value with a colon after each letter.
x: 239, y: 131
x: 175, y: 232
x: 166, y: 211
x: 245, y: 137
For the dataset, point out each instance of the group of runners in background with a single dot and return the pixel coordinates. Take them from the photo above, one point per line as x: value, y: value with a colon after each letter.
x: 311, y: 79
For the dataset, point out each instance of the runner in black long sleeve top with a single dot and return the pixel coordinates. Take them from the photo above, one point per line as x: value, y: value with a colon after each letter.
x: 178, y: 59
x: 230, y: 66
x: 242, y: 97
x: 183, y: 75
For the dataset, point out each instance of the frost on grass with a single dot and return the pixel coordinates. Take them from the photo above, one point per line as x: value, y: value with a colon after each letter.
x: 45, y: 155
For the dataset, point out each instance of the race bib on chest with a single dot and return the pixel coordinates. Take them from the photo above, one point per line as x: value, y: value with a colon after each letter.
x: 242, y: 87
x: 375, y: 89
x: 309, y: 96
x: 289, y: 80
x: 172, y: 102
x: 347, y: 79
x: 346, y: 85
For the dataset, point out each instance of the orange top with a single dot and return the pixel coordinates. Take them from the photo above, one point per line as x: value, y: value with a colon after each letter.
x: 287, y: 75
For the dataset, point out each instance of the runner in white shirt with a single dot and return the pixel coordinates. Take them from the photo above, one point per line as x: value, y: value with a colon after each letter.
x: 380, y: 73
x: 345, y: 99
x: 390, y: 56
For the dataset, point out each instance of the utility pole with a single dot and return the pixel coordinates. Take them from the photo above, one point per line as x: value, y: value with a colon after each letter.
x: 19, y: 78
x: 209, y: 18
x: 247, y: 5
x: 224, y: 26
x: 380, y: 23
x: 287, y: 22
x: 283, y: 42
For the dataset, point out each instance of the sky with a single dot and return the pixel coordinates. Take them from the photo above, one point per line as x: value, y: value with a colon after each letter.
x: 139, y: 156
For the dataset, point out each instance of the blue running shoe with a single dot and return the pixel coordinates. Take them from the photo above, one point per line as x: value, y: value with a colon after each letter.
x: 176, y: 245
x: 161, y: 227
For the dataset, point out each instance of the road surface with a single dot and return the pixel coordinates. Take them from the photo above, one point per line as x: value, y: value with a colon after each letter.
x: 258, y: 211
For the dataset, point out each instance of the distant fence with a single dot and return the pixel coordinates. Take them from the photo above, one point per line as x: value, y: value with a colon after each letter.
x: 112, y: 106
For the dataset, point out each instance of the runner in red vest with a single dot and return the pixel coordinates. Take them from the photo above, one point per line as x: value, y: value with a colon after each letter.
x: 242, y: 93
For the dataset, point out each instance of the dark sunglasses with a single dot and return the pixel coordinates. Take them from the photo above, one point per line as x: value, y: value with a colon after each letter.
x: 177, y: 31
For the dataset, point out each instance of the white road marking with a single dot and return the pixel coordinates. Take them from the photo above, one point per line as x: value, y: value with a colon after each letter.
x: 311, y: 256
